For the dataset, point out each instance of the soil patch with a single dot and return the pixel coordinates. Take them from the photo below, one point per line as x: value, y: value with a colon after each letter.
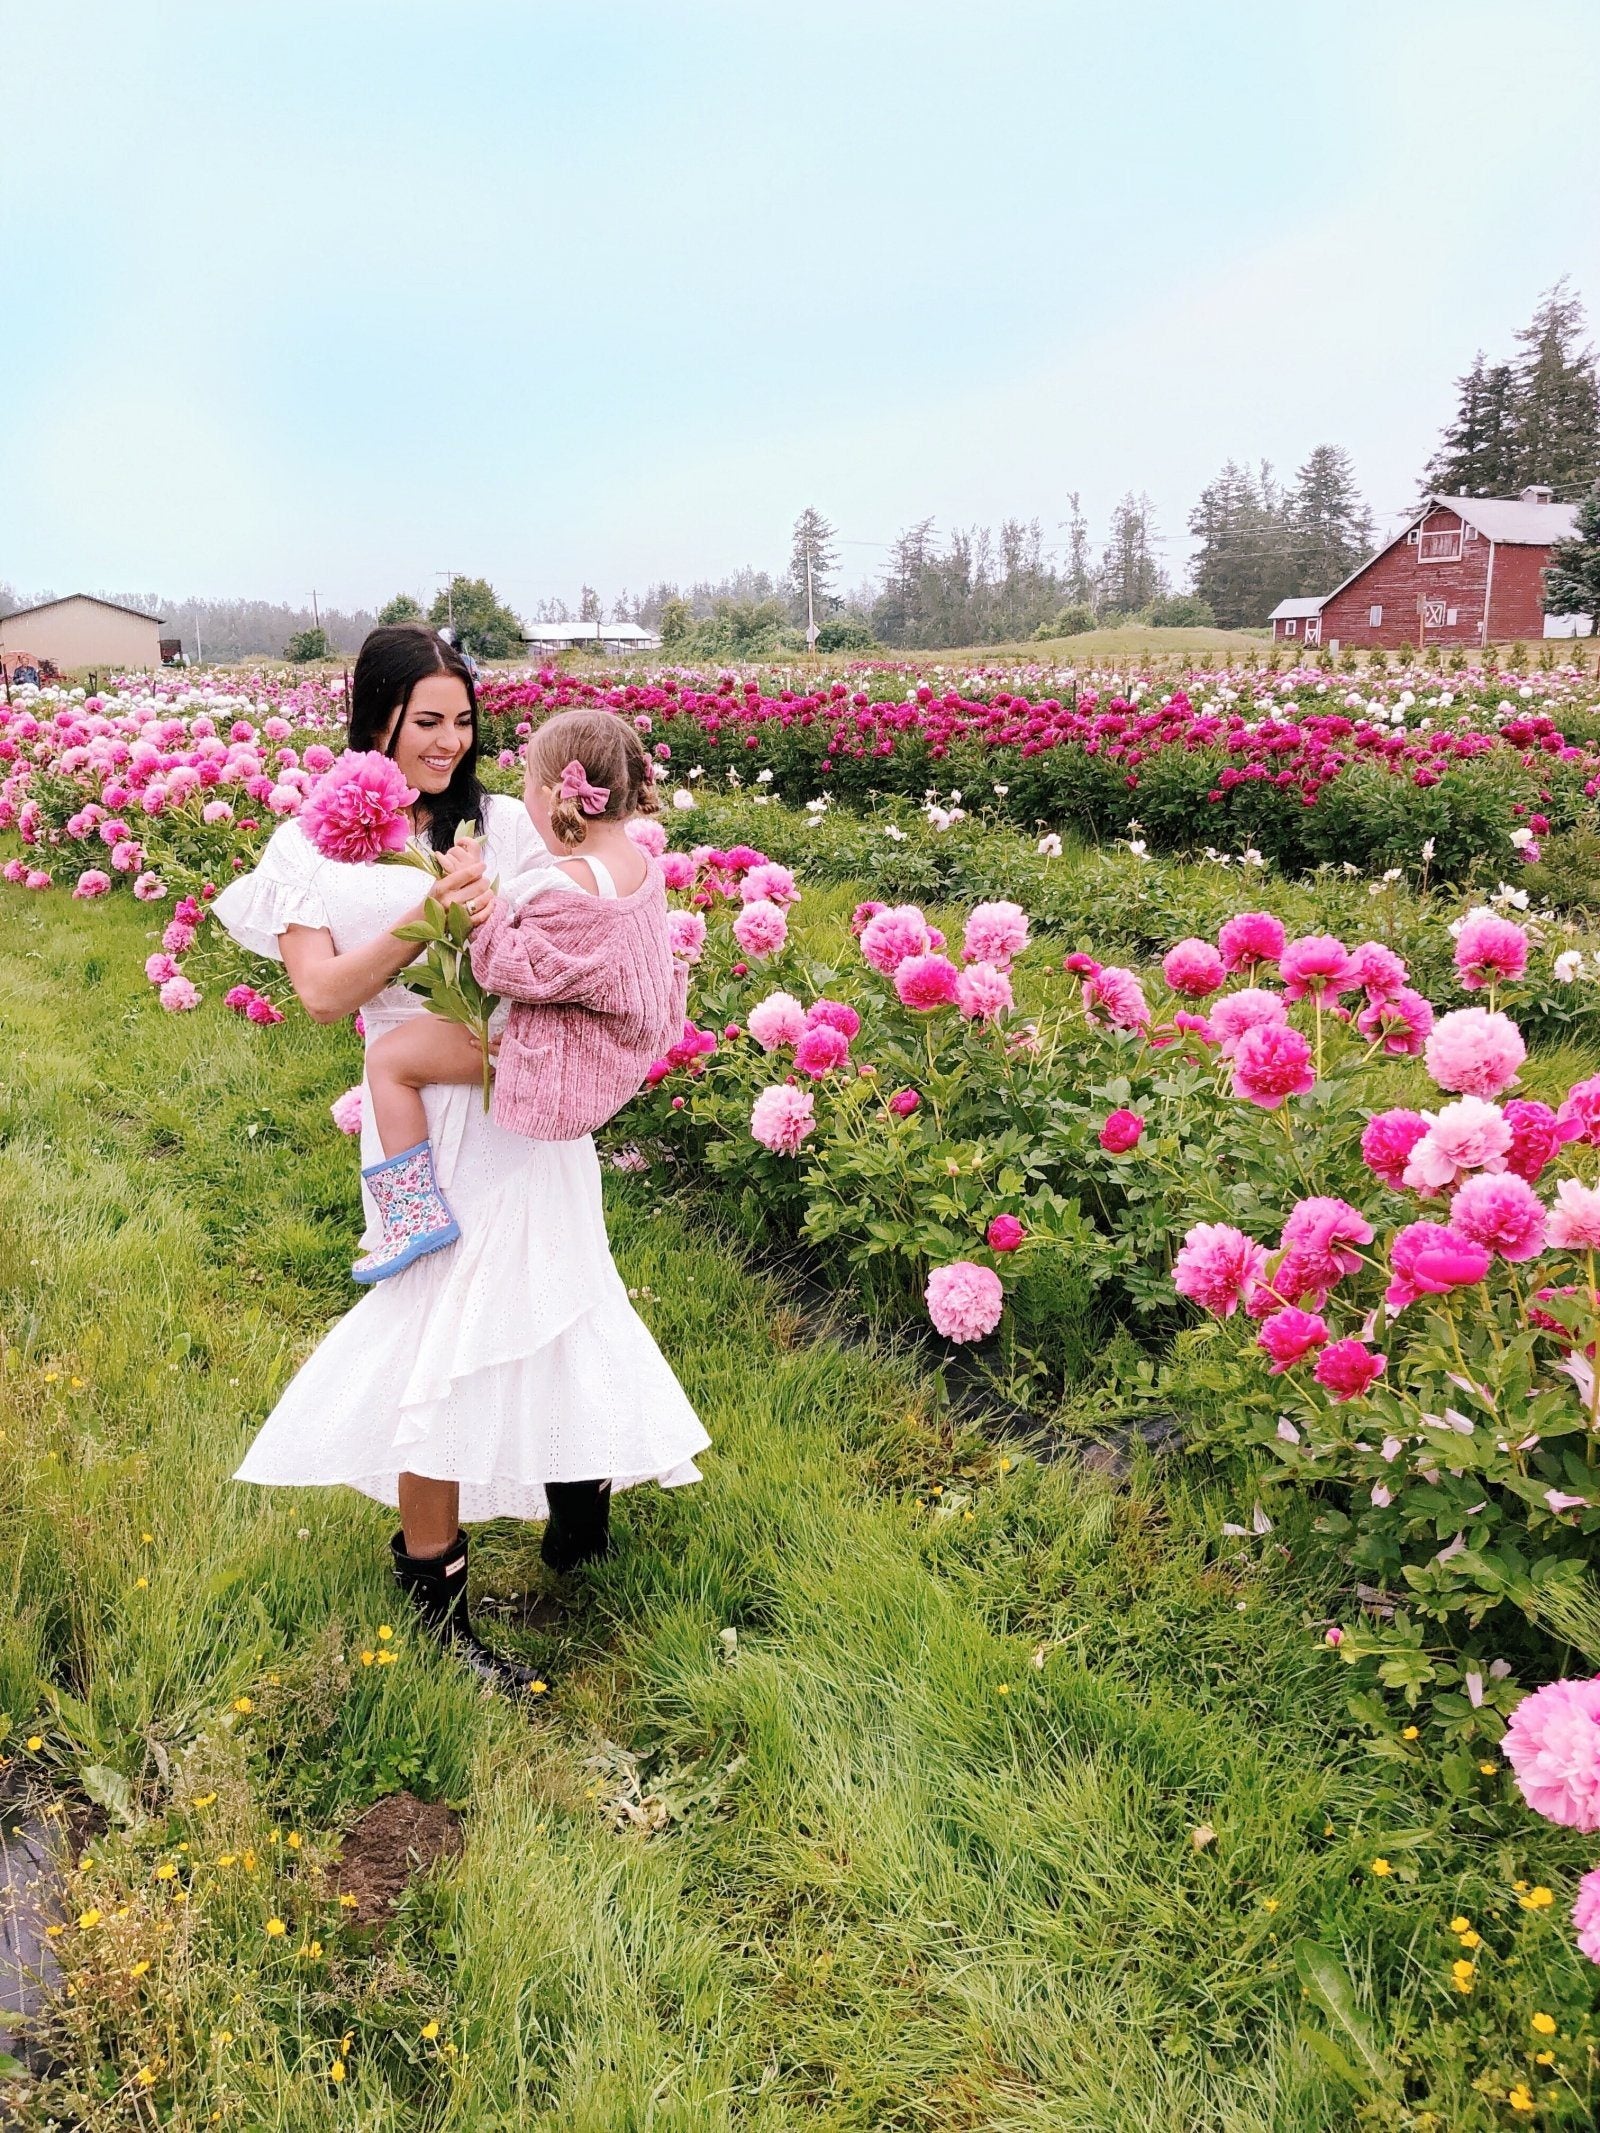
x: 396, y: 1839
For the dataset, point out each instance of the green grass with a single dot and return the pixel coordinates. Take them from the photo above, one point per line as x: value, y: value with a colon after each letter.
x: 924, y: 1847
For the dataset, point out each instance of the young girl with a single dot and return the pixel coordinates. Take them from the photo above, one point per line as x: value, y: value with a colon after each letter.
x: 580, y: 950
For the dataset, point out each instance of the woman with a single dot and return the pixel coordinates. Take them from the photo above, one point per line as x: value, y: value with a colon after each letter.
x: 486, y: 1381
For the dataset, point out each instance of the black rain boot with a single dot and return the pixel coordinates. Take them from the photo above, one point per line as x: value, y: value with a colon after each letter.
x: 579, y: 1527
x: 437, y: 1586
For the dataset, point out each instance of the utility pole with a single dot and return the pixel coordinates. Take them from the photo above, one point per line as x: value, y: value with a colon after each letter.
x: 316, y: 619
x: 197, y: 636
x: 449, y: 577
x: 811, y: 619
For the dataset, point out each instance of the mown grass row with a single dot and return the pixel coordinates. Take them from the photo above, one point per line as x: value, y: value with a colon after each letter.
x: 1004, y: 1804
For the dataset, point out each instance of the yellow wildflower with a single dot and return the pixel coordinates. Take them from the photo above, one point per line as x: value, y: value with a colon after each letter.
x: 1469, y: 1939
x: 295, y: 1840
x: 276, y: 1927
x: 139, y: 1968
x: 1005, y: 1688
x: 1544, y: 2058
x: 1269, y: 1903
x: 141, y: 1584
x: 1458, y: 1924
x: 430, y: 2030
x: 336, y: 2071
x: 1462, y: 1974
x: 1381, y: 1867
x: 166, y: 1872
x: 146, y: 2077
x: 1409, y: 1732
x: 367, y: 1658
x: 538, y: 1688
x: 1519, y: 2098
x: 34, y: 1743
x: 206, y: 1799
x: 384, y: 1632
x: 1519, y: 1886
x: 1488, y: 1769
x: 223, y: 2036
x: 227, y: 1858
x: 249, y: 1862
x: 147, y: 1538
x: 243, y: 1703
x: 86, y: 1919
x: 387, y: 1658
x: 1545, y: 2024
x: 348, y: 1902
x: 1537, y: 1899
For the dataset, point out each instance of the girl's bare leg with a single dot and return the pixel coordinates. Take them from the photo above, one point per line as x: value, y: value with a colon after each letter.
x: 400, y: 1066
x: 429, y: 1513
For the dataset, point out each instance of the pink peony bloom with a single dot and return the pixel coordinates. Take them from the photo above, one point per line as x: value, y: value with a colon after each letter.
x: 1552, y: 1742
x: 127, y: 858
x: 820, y: 1051
x: 1193, y: 968
x: 1387, y: 1143
x: 1289, y: 1336
x: 1079, y: 965
x: 1380, y: 970
x: 677, y: 870
x: 1473, y: 1052
x: 995, y: 933
x: 37, y: 878
x: 158, y: 968
x: 889, y: 936
x: 964, y: 1300
x: 861, y: 914
x: 1575, y: 1218
x: 781, y: 1118
x: 642, y: 830
x: 1118, y: 995
x: 263, y: 1011
x: 1586, y: 1915
x: 1253, y: 937
x: 924, y: 982
x: 1121, y: 1131
x: 149, y: 888
x: 178, y: 936
x: 346, y: 1110
x: 1579, y: 1116
x: 1503, y: 1213
x: 1317, y: 965
x: 903, y: 1102
x: 1319, y: 1242
x: 779, y: 1019
x: 1535, y: 1137
x: 216, y: 811
x: 1426, y: 1259
x: 356, y: 810
x: 1468, y: 1135
x: 1217, y: 1267
x: 837, y: 1014
x: 1347, y: 1368
x: 686, y: 932
x: 91, y: 883
x: 178, y: 995
x: 1401, y: 1020
x: 1239, y: 1012
x: 769, y: 880
x: 761, y: 928
x: 982, y: 991
x: 1270, y: 1063
x: 1195, y: 1026
x: 1004, y: 1234
x: 1490, y: 951
x: 238, y: 997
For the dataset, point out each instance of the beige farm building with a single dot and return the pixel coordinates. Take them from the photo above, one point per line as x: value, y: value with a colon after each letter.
x: 81, y: 631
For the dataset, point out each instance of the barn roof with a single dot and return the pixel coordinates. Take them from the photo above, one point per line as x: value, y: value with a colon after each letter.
x: 605, y: 632
x: 119, y: 607
x: 1292, y: 610
x: 1510, y: 520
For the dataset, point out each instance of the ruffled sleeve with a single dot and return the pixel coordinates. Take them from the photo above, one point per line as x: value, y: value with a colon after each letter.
x: 281, y: 891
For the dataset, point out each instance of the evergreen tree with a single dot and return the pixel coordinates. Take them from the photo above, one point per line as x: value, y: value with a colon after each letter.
x: 1130, y: 576
x: 402, y: 608
x: 1572, y: 577
x: 1330, y: 527
x: 813, y: 536
x: 1477, y: 452
x: 1558, y: 401
x: 898, y: 612
x: 588, y: 604
x: 1079, y: 585
x: 483, y: 623
x: 1244, y: 566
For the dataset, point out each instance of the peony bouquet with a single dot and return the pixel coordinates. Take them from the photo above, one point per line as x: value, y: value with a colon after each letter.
x: 356, y: 813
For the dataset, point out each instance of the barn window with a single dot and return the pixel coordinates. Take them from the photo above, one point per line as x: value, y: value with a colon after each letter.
x: 1374, y: 618
x: 1441, y: 547
x: 1290, y: 627
x: 1433, y: 614
x: 1471, y: 534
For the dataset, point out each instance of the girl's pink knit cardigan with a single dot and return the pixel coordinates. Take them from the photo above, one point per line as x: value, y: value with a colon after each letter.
x: 598, y: 996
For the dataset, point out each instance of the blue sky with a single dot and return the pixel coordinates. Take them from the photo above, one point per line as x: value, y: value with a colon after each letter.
x: 342, y: 296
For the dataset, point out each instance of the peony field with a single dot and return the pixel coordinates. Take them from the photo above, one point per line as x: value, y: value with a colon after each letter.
x: 1126, y: 1202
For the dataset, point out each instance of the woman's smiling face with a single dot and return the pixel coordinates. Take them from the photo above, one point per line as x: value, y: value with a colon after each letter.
x: 436, y: 734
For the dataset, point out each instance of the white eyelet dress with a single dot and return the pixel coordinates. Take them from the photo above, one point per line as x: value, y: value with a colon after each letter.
x: 509, y: 1359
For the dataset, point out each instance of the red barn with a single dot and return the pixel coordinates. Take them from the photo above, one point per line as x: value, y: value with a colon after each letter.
x: 1468, y: 570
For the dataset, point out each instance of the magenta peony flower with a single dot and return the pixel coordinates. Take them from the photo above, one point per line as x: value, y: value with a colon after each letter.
x: 1193, y: 968
x: 1575, y: 1218
x: 1270, y: 1063
x: 643, y: 830
x: 686, y: 933
x: 1387, y: 1143
x: 1317, y: 965
x: 238, y: 997
x: 820, y: 1051
x: 345, y: 1110
x: 781, y: 1118
x: 178, y: 936
x: 1004, y: 1234
x: 1586, y: 1915
x: 1490, y: 951
x: 837, y: 1014
x: 761, y: 928
x: 91, y: 883
x: 1503, y: 1213
x: 1289, y: 1336
x: 1552, y: 1742
x: 860, y: 915
x: 982, y: 991
x: 1217, y: 1267
x: 1121, y: 1131
x: 1253, y: 937
x: 1079, y: 965
x: 677, y: 870
x: 264, y: 1012
x: 924, y: 982
x: 1426, y: 1259
x: 1535, y: 1137
x: 1194, y: 1026
x: 995, y: 933
x: 903, y: 1102
x: 1467, y: 1135
x: 964, y: 1300
x: 356, y: 810
x: 1239, y: 1012
x: 1347, y: 1368
x: 889, y: 936
x: 1118, y: 995
x: 1473, y: 1052
x: 1400, y: 1019
x: 779, y: 1019
x: 1319, y: 1243
x: 1380, y: 970
x: 178, y: 995
x: 1579, y: 1116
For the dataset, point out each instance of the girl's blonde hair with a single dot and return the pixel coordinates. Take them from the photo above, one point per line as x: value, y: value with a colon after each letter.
x: 612, y: 755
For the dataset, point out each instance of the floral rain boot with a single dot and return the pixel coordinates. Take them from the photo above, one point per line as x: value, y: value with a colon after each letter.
x: 412, y: 1209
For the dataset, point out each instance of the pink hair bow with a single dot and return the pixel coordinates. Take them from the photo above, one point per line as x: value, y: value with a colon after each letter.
x: 593, y: 799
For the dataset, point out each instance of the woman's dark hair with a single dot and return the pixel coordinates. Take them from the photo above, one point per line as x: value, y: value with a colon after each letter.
x: 389, y: 665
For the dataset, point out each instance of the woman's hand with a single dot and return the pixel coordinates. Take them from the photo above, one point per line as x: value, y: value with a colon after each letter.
x: 462, y: 882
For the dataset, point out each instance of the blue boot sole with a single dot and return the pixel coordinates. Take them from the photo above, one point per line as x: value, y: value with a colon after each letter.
x: 435, y: 1240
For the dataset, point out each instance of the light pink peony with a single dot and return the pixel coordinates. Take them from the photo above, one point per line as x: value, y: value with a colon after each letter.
x: 1503, y: 1213
x: 820, y: 1051
x: 1579, y: 1116
x: 677, y: 870
x: 1270, y: 1063
x: 1586, y: 1915
x: 1289, y: 1336
x: 1387, y: 1142
x: 761, y: 928
x: 1575, y: 1218
x: 179, y: 994
x: 837, y: 1014
x: 178, y: 936
x: 644, y: 831
x: 1535, y: 1137
x: 356, y: 810
x: 964, y: 1300
x: 1118, y: 995
x: 1193, y: 968
x: 862, y: 913
x: 1121, y: 1131
x: 1317, y: 965
x: 686, y: 933
x: 158, y: 968
x: 995, y: 933
x: 91, y: 883
x: 1490, y: 951
x: 216, y: 811
x: 781, y: 1118
x: 1347, y: 1368
x: 982, y: 991
x: 777, y: 1020
x: 769, y: 880
x: 1239, y: 1012
x: 1320, y: 1241
x: 1426, y: 1259
x: 889, y: 936
x: 149, y: 888
x: 924, y: 982
x: 1400, y: 1020
x: 1217, y: 1267
x: 1473, y: 1052
x: 1379, y: 969
x: 1468, y: 1135
x: 1552, y: 1742
x: 1253, y: 937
